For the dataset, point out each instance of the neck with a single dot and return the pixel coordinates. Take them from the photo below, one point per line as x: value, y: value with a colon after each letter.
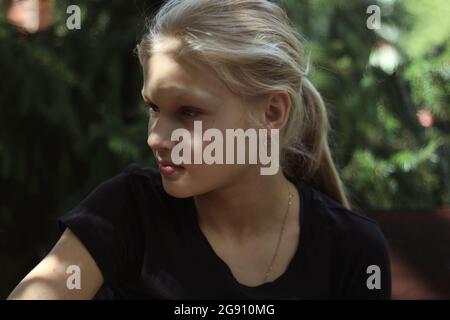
x: 248, y: 207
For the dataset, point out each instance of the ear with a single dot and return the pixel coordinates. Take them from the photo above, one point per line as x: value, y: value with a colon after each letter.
x: 277, y: 109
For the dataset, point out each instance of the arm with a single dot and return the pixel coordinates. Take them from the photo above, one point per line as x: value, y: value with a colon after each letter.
x: 48, y: 280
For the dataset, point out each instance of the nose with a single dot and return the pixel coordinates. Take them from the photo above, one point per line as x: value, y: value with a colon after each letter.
x: 159, y: 133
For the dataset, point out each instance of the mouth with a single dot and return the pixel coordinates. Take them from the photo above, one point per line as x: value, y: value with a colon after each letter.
x: 168, y: 169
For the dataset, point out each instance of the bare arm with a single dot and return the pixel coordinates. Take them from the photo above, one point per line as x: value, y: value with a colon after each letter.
x: 48, y: 280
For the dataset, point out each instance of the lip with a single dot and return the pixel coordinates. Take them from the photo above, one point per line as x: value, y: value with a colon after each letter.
x: 167, y: 168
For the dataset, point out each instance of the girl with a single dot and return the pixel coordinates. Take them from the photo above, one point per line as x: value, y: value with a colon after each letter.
x: 220, y: 231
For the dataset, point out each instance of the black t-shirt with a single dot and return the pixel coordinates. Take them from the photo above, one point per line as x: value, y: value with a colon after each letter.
x: 148, y: 245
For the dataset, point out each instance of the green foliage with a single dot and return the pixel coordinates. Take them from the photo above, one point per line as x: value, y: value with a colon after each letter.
x: 374, y: 82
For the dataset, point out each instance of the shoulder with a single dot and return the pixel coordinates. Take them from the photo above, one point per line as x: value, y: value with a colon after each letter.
x: 352, y: 234
x: 122, y: 185
x: 135, y: 170
x: 145, y: 179
x: 149, y: 192
x: 357, y: 248
x: 121, y: 192
x: 343, y: 221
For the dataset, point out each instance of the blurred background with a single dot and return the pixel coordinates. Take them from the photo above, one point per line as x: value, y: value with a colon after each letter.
x: 72, y: 117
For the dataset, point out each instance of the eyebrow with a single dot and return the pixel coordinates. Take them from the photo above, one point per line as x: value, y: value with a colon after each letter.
x: 180, y: 91
x: 207, y: 100
x: 177, y: 92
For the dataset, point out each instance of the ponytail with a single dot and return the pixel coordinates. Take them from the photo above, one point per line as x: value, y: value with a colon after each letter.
x: 309, y: 156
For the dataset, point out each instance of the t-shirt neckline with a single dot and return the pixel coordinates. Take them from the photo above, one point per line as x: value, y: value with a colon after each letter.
x: 281, y: 280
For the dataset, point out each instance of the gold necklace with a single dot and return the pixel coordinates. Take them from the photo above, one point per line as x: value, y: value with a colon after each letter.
x: 279, y: 237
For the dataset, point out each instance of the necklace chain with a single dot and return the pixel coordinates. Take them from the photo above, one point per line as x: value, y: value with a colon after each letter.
x: 279, y: 237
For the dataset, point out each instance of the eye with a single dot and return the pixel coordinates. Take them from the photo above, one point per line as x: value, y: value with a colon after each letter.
x: 189, y: 112
x: 152, y: 108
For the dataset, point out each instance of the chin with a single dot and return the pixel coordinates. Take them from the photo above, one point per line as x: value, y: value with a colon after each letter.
x: 177, y: 189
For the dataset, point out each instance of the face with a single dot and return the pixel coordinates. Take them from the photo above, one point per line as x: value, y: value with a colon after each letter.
x: 179, y: 93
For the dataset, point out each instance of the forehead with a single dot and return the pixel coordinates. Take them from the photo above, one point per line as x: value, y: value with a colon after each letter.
x: 164, y: 70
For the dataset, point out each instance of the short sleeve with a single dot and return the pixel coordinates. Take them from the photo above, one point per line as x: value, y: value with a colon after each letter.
x: 107, y: 223
x: 368, y: 273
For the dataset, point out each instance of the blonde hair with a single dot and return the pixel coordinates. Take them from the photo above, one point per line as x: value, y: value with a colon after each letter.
x: 254, y: 50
